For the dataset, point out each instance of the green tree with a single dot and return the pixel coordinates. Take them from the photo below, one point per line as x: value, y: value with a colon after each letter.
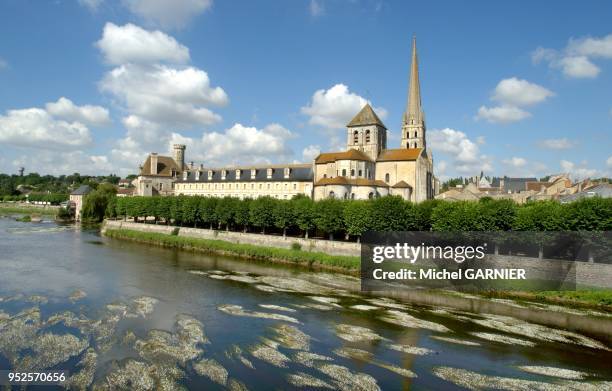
x: 207, y: 211
x: 392, y: 213
x: 304, y: 208
x: 329, y: 214
x: 284, y: 215
x: 224, y: 211
x: 358, y: 217
x: 242, y: 215
x: 261, y: 213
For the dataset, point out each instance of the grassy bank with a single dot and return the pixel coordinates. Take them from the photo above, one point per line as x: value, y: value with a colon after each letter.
x: 589, y: 298
x: 272, y: 254
x: 16, y: 208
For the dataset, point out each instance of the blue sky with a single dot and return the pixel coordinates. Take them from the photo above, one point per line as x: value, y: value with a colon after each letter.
x: 512, y: 88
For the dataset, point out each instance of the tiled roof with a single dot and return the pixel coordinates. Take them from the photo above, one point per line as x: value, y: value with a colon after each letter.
x: 391, y: 155
x: 402, y: 185
x: 165, y: 164
x: 299, y: 173
x: 340, y: 180
x: 365, y: 117
x: 351, y: 154
x: 537, y: 186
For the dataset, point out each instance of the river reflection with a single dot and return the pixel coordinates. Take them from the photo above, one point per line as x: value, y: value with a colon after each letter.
x: 120, y: 315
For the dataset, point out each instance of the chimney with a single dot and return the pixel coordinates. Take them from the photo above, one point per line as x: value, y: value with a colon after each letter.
x: 154, y: 163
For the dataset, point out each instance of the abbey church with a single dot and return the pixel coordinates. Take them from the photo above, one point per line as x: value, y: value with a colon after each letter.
x: 365, y: 169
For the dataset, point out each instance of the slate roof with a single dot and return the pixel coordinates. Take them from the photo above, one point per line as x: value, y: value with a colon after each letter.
x: 351, y: 154
x: 340, y: 180
x: 366, y: 116
x: 82, y: 190
x: 515, y: 185
x: 299, y: 173
x: 603, y: 190
x: 403, y: 154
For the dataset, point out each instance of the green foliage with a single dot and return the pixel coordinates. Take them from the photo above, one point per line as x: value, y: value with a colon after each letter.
x: 284, y: 215
x: 262, y: 212
x: 358, y: 217
x: 96, y: 203
x: 296, y: 246
x: 333, y: 216
x: 329, y: 216
x: 392, y: 213
x: 303, y: 208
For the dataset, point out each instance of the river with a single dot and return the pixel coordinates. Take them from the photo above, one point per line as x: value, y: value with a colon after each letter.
x: 117, y: 314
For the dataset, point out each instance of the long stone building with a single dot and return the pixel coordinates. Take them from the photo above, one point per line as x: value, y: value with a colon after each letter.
x: 365, y: 169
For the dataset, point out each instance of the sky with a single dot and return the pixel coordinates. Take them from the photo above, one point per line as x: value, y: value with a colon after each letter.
x: 517, y: 88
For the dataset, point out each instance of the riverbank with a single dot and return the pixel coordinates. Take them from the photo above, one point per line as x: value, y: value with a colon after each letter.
x: 589, y: 299
x: 338, y: 263
x: 8, y: 208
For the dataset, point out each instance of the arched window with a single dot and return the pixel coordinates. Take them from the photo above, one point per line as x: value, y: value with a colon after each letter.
x: 332, y: 194
x: 387, y: 177
x: 355, y: 137
x: 368, y: 136
x: 371, y: 195
x: 352, y: 196
x: 360, y: 172
x: 352, y: 172
x: 345, y: 196
x: 343, y: 172
x: 324, y: 175
x: 416, y: 134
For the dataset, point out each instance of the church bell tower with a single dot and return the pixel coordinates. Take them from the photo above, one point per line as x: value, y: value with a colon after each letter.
x: 413, y: 122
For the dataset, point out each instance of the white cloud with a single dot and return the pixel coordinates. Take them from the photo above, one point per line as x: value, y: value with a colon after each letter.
x: 238, y: 145
x: 87, y: 114
x: 168, y: 14
x: 502, y: 114
x: 578, y: 171
x: 578, y: 67
x: 311, y: 152
x: 556, y: 143
x: 316, y: 8
x: 36, y: 128
x: 480, y: 140
x: 575, y: 60
x: 133, y: 44
x: 591, y: 47
x: 465, y: 154
x: 166, y: 95
x: 515, y: 162
x: 93, y: 5
x: 609, y: 162
x: 520, y: 93
x: 333, y: 108
x: 513, y: 94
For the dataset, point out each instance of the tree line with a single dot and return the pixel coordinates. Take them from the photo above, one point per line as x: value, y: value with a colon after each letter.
x: 351, y: 218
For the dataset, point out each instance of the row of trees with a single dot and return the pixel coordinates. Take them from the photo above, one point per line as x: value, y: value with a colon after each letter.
x: 10, y: 185
x: 304, y: 216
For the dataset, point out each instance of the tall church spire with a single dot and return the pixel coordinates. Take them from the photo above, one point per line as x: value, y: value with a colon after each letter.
x: 413, y: 124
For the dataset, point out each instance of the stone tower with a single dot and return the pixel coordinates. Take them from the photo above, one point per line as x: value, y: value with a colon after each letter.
x: 413, y: 122
x: 366, y: 133
x: 179, y: 155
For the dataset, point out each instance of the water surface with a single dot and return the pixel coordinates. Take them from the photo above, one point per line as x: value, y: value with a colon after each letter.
x: 124, y: 315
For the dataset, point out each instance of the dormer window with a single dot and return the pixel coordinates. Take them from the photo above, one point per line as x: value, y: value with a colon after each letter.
x: 253, y: 173
x: 269, y: 172
x: 287, y: 172
x: 197, y: 175
x: 223, y: 174
x: 185, y: 175
x: 238, y: 172
x: 210, y: 175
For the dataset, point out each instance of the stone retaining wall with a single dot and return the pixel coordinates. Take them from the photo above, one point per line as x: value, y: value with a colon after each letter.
x: 317, y: 245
